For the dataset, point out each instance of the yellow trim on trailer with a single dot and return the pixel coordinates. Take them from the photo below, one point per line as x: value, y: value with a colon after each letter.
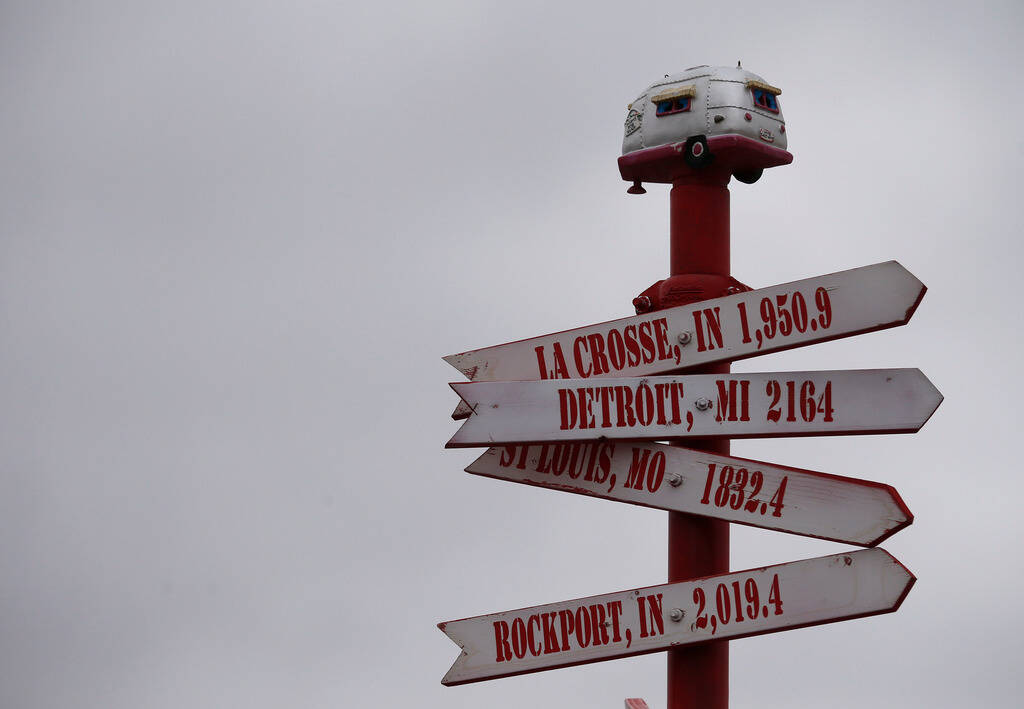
x: 751, y: 84
x: 679, y: 92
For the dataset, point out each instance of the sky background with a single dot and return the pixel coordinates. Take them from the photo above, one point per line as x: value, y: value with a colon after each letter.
x: 236, y: 239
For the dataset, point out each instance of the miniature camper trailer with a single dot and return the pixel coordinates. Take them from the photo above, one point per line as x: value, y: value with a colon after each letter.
x: 693, y: 112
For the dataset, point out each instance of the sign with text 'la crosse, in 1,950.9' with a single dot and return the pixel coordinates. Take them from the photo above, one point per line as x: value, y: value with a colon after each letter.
x: 739, y: 604
x: 697, y: 482
x: 722, y: 329
x: 750, y: 405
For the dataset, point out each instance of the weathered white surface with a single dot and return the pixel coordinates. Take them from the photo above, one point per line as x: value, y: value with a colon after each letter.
x: 809, y: 592
x: 843, y: 402
x: 749, y: 492
x: 859, y: 300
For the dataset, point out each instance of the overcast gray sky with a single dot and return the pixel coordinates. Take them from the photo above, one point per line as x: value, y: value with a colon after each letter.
x: 236, y: 239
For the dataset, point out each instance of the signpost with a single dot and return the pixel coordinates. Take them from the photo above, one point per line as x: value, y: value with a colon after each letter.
x: 735, y: 605
x: 744, y: 491
x: 719, y: 330
x: 572, y: 410
x: 698, y: 405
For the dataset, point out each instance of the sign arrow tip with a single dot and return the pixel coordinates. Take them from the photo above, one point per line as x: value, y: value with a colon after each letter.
x: 932, y: 394
x: 907, y: 575
x: 450, y: 677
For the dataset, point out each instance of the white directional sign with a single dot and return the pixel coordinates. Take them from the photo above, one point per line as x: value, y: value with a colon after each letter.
x: 764, y: 600
x: 723, y: 329
x: 697, y: 405
x: 697, y: 482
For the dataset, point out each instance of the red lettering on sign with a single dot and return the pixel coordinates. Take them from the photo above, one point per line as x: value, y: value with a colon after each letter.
x: 530, y: 636
x: 568, y: 625
x: 644, y: 465
x: 661, y: 391
x: 567, y: 407
x: 661, y: 336
x: 508, y: 455
x: 590, y: 465
x: 583, y: 631
x: 729, y: 608
x: 616, y: 350
x: 597, y: 355
x: 586, y: 397
x: 650, y: 609
x: 644, y: 405
x: 708, y: 326
x: 632, y: 346
x: 733, y: 490
x: 550, y: 636
x: 597, y: 622
x: 605, y: 394
x: 656, y: 473
x: 561, y: 371
x: 562, y: 457
x: 570, y: 628
x: 541, y: 364
x: 574, y: 469
x: 519, y: 638
x: 727, y: 399
x: 604, y: 462
x: 579, y: 346
x: 638, y: 468
x: 624, y: 407
x: 572, y: 459
x: 646, y: 342
x: 615, y: 609
x: 504, y: 652
x: 543, y: 464
x: 808, y: 406
x: 677, y: 387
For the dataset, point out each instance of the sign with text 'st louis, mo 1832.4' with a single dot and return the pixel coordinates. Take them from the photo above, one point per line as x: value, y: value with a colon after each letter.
x: 698, y: 482
x: 765, y: 600
x: 723, y: 329
x: 752, y: 405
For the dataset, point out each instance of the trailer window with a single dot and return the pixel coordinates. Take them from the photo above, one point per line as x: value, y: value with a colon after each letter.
x: 674, y: 100
x: 765, y: 99
x: 675, y: 105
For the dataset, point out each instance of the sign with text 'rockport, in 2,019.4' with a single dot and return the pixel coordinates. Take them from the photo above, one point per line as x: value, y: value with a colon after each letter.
x: 739, y: 604
x: 697, y: 482
x: 722, y: 329
x: 817, y: 403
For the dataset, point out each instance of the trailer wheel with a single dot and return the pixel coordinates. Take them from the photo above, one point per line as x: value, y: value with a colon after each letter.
x: 749, y: 176
x: 697, y: 153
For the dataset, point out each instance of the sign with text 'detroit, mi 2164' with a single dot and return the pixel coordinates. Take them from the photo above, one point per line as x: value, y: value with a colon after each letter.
x: 765, y: 600
x: 697, y: 482
x: 749, y: 405
x: 723, y: 329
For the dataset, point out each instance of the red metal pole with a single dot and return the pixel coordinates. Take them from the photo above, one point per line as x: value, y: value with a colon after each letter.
x: 698, y: 677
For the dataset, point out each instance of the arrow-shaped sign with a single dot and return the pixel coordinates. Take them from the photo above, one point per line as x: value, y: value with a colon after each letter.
x: 643, y: 620
x: 697, y: 482
x: 723, y: 329
x: 819, y: 403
